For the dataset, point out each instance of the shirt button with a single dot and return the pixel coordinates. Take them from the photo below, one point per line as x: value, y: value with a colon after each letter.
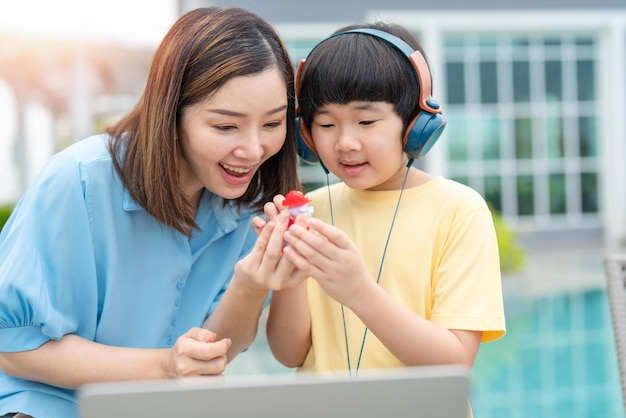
x: 180, y: 284
x: 177, y: 301
x: 169, y: 341
x: 173, y: 321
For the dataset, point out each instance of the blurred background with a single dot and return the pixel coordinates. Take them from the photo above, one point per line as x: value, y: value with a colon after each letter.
x: 534, y: 93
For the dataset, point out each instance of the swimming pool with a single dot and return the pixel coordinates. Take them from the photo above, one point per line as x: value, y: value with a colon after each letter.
x: 557, y: 359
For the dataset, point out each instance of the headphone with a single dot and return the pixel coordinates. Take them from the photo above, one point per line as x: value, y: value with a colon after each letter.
x: 421, y: 133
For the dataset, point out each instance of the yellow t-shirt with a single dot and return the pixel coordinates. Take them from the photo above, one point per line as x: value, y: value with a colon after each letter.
x: 441, y: 262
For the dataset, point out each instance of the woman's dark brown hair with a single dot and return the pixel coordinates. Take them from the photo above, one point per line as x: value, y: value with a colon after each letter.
x: 203, y: 50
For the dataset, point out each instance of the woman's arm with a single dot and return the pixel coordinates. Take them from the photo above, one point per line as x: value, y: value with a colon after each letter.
x: 237, y: 315
x: 73, y: 361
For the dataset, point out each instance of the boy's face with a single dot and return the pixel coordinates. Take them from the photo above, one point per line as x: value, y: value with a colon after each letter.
x: 361, y: 143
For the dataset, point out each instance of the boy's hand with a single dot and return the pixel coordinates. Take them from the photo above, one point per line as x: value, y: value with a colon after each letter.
x: 328, y: 255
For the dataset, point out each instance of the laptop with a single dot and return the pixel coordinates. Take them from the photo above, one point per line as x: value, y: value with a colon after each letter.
x: 428, y: 392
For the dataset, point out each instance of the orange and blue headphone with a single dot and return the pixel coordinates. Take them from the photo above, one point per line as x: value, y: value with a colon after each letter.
x: 422, y: 132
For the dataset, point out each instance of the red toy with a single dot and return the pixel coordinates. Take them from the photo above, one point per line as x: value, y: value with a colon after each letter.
x: 296, y: 203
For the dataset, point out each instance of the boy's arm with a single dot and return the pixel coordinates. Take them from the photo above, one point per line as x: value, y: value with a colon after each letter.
x: 289, y: 325
x: 411, y: 338
x: 328, y: 255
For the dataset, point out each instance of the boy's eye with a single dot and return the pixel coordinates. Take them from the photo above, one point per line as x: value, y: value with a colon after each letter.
x: 367, y: 122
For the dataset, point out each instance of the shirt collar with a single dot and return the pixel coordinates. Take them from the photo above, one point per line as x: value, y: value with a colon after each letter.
x: 226, y: 215
x: 129, y: 203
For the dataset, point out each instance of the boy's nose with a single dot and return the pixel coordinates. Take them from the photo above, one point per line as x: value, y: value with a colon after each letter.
x: 348, y: 140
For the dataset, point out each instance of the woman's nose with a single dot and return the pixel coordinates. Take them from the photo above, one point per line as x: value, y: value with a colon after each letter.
x: 251, y: 148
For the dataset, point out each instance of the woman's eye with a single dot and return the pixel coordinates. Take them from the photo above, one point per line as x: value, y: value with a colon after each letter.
x: 225, y: 128
x: 273, y: 124
x: 367, y: 122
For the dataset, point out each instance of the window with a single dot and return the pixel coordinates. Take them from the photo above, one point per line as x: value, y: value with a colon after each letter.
x: 522, y: 124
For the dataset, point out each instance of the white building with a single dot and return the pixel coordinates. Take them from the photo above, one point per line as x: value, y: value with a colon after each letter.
x: 534, y: 93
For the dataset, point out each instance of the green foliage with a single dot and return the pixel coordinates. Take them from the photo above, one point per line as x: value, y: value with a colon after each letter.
x: 5, y: 212
x: 512, y: 255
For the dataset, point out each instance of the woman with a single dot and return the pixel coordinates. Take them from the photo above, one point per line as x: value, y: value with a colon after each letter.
x: 132, y: 255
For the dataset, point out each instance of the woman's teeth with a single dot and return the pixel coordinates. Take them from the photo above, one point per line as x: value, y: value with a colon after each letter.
x: 236, y: 170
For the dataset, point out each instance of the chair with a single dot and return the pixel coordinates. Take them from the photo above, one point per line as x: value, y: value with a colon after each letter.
x: 615, y: 268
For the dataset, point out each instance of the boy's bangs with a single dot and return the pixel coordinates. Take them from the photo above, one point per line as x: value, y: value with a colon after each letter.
x: 361, y: 77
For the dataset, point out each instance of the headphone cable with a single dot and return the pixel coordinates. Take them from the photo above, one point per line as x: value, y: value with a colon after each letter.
x: 380, y: 269
x: 382, y: 261
x: 343, y: 313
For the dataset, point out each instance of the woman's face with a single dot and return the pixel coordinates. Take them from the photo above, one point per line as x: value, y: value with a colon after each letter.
x: 227, y: 137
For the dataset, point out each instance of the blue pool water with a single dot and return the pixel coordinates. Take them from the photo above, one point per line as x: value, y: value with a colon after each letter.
x: 557, y: 359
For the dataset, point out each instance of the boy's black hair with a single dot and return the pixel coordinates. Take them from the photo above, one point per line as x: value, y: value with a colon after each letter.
x: 359, y: 67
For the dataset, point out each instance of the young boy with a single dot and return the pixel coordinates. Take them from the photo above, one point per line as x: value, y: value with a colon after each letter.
x: 404, y: 264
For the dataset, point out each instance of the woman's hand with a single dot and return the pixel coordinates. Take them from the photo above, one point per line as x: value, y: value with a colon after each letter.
x: 271, y: 211
x: 265, y: 267
x: 198, y: 353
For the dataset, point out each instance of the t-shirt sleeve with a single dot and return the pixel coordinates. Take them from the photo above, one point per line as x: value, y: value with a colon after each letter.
x: 47, y: 268
x: 468, y: 288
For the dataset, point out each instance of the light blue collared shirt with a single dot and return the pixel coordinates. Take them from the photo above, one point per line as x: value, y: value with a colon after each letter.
x: 79, y: 256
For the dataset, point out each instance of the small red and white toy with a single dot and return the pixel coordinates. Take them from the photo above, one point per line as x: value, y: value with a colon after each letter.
x: 297, y: 203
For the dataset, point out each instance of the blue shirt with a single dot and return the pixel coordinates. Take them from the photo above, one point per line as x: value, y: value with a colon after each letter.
x: 79, y: 256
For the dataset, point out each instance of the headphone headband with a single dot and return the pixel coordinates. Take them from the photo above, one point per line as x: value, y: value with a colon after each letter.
x: 420, y: 66
x: 427, y: 126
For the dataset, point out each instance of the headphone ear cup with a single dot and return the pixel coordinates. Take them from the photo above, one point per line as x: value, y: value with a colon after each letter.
x: 303, y: 137
x: 423, y: 133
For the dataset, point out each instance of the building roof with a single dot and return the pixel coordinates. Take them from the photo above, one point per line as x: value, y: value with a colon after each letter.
x: 292, y: 11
